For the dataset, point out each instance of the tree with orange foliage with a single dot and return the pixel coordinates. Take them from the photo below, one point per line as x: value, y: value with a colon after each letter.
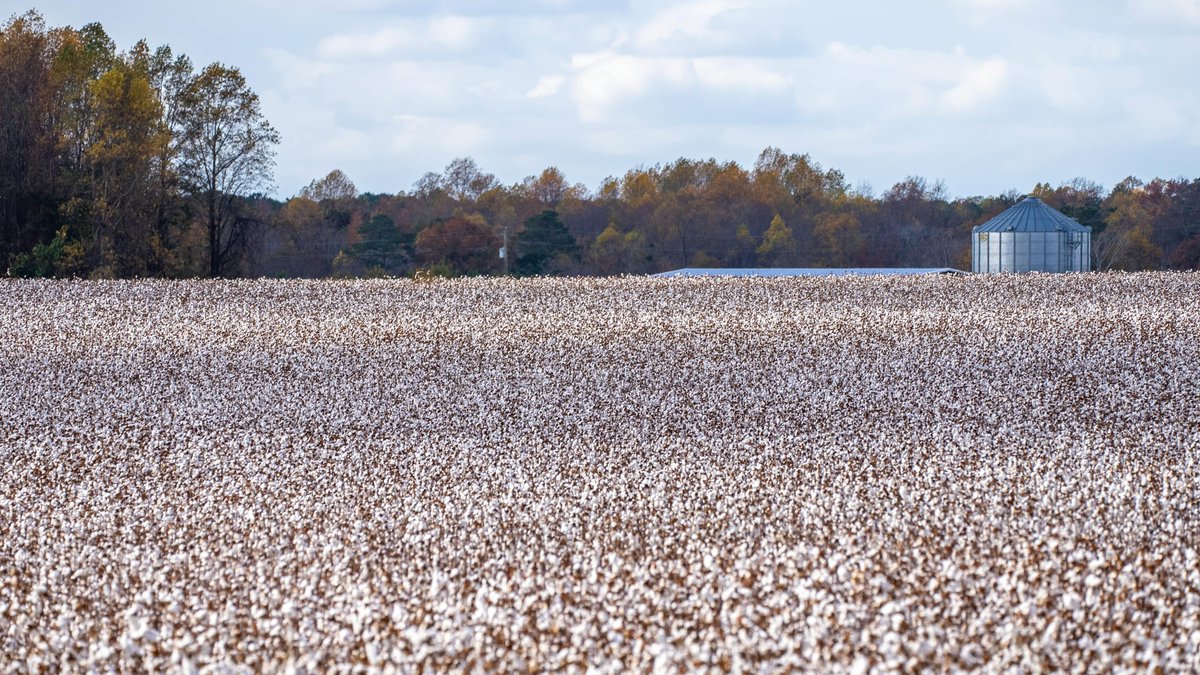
x: 463, y: 245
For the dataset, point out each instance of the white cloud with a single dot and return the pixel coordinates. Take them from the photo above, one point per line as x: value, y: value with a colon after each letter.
x: 1080, y: 91
x: 437, y: 34
x: 901, y: 83
x: 980, y: 83
x: 294, y: 70
x: 741, y: 74
x: 606, y: 80
x: 610, y: 86
x: 687, y: 21
x: 546, y: 86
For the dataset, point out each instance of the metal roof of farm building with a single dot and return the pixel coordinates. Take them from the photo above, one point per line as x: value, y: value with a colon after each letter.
x: 1031, y: 215
x: 804, y: 271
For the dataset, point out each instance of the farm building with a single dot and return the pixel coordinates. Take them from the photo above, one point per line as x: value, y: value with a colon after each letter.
x: 804, y: 271
x: 1031, y: 237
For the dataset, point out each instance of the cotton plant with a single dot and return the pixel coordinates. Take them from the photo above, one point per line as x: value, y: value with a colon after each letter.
x: 833, y: 474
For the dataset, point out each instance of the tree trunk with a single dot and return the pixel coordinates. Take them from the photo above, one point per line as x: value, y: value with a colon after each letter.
x: 214, y: 237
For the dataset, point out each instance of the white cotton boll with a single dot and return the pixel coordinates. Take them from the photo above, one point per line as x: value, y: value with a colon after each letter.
x: 130, y: 646
x: 374, y: 653
x: 1071, y: 601
x: 872, y: 472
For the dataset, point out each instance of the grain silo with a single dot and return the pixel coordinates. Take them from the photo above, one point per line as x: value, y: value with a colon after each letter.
x: 1031, y: 237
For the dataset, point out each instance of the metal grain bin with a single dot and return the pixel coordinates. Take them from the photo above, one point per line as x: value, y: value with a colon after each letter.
x: 1031, y: 237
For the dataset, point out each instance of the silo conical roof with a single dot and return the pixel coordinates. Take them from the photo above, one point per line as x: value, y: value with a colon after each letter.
x: 1031, y: 215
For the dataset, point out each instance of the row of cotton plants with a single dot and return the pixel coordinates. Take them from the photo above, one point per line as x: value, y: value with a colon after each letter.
x: 616, y: 475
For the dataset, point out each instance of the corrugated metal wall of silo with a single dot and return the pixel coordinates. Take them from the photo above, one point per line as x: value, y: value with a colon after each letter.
x: 1030, y: 237
x: 1054, y: 251
x: 993, y: 252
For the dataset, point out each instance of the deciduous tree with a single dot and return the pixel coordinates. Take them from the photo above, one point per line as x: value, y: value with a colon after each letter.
x: 840, y: 238
x: 465, y: 181
x: 464, y: 245
x: 129, y: 134
x: 28, y: 136
x: 778, y: 248
x: 336, y: 195
x: 606, y: 254
x: 1125, y: 242
x: 227, y: 151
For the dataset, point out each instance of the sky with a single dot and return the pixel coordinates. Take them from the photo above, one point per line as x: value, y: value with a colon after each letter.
x: 985, y: 95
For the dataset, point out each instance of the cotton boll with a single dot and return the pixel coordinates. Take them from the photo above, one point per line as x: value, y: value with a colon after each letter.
x: 732, y: 471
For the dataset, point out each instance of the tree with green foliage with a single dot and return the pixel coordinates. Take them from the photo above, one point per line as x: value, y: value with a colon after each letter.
x: 83, y: 56
x: 606, y: 254
x: 129, y: 132
x: 778, y: 248
x: 56, y: 258
x: 380, y: 245
x: 544, y: 241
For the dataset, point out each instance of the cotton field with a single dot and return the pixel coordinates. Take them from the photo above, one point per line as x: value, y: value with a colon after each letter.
x: 846, y: 474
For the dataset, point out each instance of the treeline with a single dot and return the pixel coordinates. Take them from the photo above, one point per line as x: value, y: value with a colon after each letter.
x: 784, y: 211
x: 132, y: 164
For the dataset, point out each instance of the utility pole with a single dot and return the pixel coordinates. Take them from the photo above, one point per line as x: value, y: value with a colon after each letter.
x: 504, y: 251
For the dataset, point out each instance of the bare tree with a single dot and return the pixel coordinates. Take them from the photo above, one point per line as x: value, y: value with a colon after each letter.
x: 336, y: 186
x: 465, y: 181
